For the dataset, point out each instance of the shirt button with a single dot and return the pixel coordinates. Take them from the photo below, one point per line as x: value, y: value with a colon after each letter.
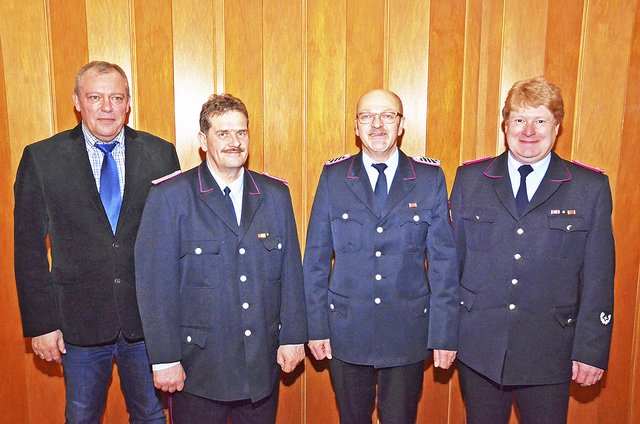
x: 332, y: 306
x: 512, y: 307
x: 245, y: 305
x: 520, y: 231
x: 378, y: 254
x: 379, y: 229
x: 517, y: 256
x: 117, y: 281
x: 416, y: 218
x: 242, y: 251
x: 345, y: 216
x: 243, y: 278
x: 189, y: 339
x: 377, y: 300
x: 247, y: 333
x: 514, y: 281
x: 198, y: 251
x: 378, y: 277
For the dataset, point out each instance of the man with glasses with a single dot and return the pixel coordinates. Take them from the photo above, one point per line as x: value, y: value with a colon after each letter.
x: 377, y: 312
x: 219, y: 279
x: 535, y: 245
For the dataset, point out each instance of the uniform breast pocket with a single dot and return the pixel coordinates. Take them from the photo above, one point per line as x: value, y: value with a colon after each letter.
x: 568, y: 235
x: 199, y: 262
x: 346, y: 228
x: 414, y: 227
x: 479, y: 228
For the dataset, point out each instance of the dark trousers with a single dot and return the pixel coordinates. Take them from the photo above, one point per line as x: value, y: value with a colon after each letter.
x: 486, y: 402
x: 399, y: 390
x: 187, y: 408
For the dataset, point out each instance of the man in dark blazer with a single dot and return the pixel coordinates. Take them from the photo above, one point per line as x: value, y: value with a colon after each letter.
x: 219, y: 279
x: 535, y: 244
x: 83, y: 311
x: 377, y: 309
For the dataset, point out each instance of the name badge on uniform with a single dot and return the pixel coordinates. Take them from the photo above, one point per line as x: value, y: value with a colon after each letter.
x: 263, y: 235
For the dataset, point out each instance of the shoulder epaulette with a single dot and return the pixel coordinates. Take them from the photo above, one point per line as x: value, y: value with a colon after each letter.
x: 337, y: 160
x: 283, y: 181
x: 469, y: 162
x: 166, y: 177
x: 590, y: 168
x: 426, y: 161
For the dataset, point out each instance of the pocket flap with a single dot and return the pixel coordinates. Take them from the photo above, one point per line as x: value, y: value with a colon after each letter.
x: 467, y: 298
x: 273, y: 243
x: 480, y: 215
x: 567, y: 223
x: 415, y: 216
x: 197, y: 336
x: 566, y: 315
x: 199, y: 247
x: 339, y: 304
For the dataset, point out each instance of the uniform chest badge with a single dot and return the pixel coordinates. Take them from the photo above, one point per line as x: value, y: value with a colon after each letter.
x: 263, y: 235
x: 413, y: 205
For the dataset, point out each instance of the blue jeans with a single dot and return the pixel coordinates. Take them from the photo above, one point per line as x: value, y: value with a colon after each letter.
x: 87, y: 371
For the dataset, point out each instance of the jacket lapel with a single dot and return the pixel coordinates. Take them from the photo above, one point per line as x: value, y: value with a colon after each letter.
x: 556, y: 174
x: 212, y: 196
x: 134, y: 160
x: 499, y: 173
x: 404, y: 181
x: 251, y: 199
x: 358, y: 182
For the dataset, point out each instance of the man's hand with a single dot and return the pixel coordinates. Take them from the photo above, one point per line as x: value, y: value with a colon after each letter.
x: 170, y: 379
x: 586, y: 375
x: 443, y: 358
x: 289, y: 356
x: 320, y: 349
x: 49, y: 347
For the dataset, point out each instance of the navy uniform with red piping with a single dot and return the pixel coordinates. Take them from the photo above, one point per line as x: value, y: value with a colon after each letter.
x: 537, y: 290
x: 218, y: 297
x: 378, y: 303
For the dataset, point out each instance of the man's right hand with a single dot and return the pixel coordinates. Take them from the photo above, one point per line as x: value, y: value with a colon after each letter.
x: 49, y: 347
x: 170, y: 379
x: 320, y: 349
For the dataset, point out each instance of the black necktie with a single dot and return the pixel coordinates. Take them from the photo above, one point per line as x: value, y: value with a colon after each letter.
x: 227, y: 191
x: 380, y: 191
x: 110, y: 184
x: 522, y: 199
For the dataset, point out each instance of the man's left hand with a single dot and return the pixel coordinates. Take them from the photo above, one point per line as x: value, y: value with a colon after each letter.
x: 443, y: 358
x: 586, y: 375
x: 289, y: 356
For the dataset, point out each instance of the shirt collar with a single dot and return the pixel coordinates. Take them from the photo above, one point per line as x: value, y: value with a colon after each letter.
x: 91, y: 140
x: 235, y: 187
x: 539, y: 168
x: 392, y: 163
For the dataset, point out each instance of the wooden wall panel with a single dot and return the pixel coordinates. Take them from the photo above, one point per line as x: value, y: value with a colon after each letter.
x: 14, y: 389
x: 192, y: 69
x: 408, y: 57
x: 300, y: 66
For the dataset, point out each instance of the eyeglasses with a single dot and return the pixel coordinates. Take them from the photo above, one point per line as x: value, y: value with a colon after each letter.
x: 225, y: 135
x: 385, y: 117
x: 538, y: 124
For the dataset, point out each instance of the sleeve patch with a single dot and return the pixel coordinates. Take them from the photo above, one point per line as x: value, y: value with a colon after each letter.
x: 426, y: 161
x: 337, y: 160
x: 482, y: 159
x: 283, y: 181
x: 590, y: 168
x: 166, y: 177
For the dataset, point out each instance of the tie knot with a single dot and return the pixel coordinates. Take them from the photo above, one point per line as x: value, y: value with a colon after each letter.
x: 106, y: 148
x: 525, y: 170
x: 380, y: 167
x: 227, y: 190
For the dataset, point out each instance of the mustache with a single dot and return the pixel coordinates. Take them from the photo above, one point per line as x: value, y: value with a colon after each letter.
x: 234, y: 150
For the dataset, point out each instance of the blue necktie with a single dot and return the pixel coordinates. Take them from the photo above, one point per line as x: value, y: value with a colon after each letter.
x: 110, y: 184
x: 227, y: 191
x: 380, y: 191
x: 522, y: 199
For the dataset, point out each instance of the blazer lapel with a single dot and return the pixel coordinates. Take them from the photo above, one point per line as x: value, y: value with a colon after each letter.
x: 556, y: 174
x: 358, y: 182
x: 134, y: 160
x: 212, y: 196
x: 81, y: 173
x: 404, y: 181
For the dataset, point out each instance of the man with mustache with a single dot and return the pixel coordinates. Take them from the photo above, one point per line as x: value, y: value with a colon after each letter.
x: 219, y: 279
x: 377, y: 312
